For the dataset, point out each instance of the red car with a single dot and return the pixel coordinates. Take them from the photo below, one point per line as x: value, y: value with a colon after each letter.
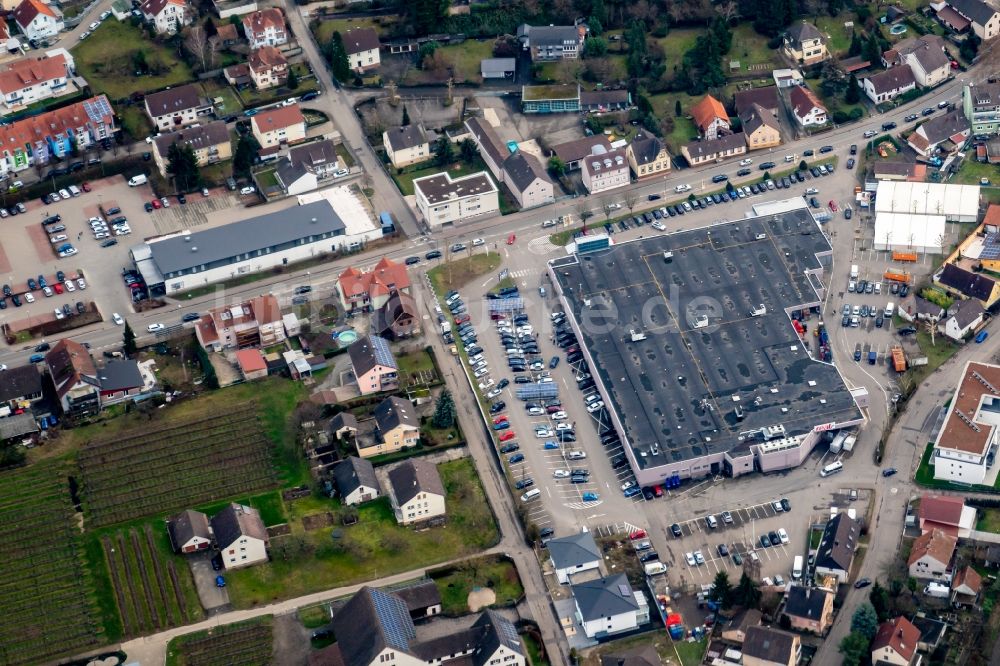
x: 833, y: 205
x: 500, y: 419
x: 658, y: 491
x: 85, y: 187
x: 461, y: 319
x: 156, y: 203
x: 507, y: 436
x: 638, y: 534
x: 511, y: 239
x: 58, y: 288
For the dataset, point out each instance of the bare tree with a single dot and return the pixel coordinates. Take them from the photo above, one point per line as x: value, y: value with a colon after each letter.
x: 728, y: 10
x: 630, y: 199
x: 196, y: 44
x: 583, y: 212
x: 606, y: 207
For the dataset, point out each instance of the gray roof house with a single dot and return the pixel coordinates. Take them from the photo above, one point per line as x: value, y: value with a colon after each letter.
x: 355, y: 480
x: 120, y: 380
x: 343, y: 423
x: 608, y: 606
x: 948, y: 131
x: 423, y: 599
x: 414, y: 477
x: 19, y: 386
x: 770, y: 646
x: 306, y: 165
x: 189, y: 532
x: 527, y: 180
x: 552, y: 42
x: 394, y: 412
x: 573, y: 554
x: 408, y: 145
x: 498, y: 68
x: 836, y: 548
x: 240, y: 536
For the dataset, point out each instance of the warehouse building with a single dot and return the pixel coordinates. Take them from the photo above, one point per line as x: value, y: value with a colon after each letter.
x: 957, y: 203
x: 906, y: 232
x: 186, y: 260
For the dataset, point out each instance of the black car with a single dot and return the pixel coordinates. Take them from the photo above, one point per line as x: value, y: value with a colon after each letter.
x: 43, y: 347
x: 148, y: 207
x: 785, y: 504
x: 310, y: 96
x: 889, y: 471
x: 217, y: 562
x: 743, y: 172
x: 720, y: 178
x: 190, y: 316
x: 862, y: 582
x: 850, y: 163
x: 904, y: 290
x: 808, y: 153
x: 651, y: 556
x: 653, y: 197
x: 3, y: 303
x: 546, y: 532
x: 619, y: 462
x: 524, y: 483
x: 888, y: 126
x: 675, y: 529
x: 6, y: 290
x: 927, y: 112
x: 67, y: 310
x: 52, y: 219
x: 304, y: 289
x: 433, y: 254
x: 764, y: 541
x: 181, y: 199
x: 510, y: 447
x: 80, y: 307
x: 826, y: 149
x: 109, y: 242
x: 766, y: 165
x: 814, y: 202
x: 412, y: 260
x: 786, y: 181
x: 775, y: 539
x: 657, y: 214
x: 814, y: 171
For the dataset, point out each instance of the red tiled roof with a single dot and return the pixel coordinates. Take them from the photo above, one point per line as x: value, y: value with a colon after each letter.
x: 154, y: 7
x: 266, y: 57
x: 31, y: 71
x: 900, y: 635
x: 384, y: 278
x: 941, y: 509
x: 968, y: 577
x: 804, y: 100
x: 29, y: 9
x: 936, y: 544
x: 4, y: 29
x: 707, y: 110
x: 956, y: 433
x: 259, y: 21
x: 250, y: 360
x: 35, y: 129
x: 273, y: 119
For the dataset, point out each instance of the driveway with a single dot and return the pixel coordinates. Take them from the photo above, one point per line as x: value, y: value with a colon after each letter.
x: 213, y: 599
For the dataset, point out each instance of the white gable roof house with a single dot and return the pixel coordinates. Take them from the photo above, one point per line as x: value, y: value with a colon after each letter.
x: 573, y: 554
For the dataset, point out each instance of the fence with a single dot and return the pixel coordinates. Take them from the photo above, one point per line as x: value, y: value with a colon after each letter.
x: 78, y: 19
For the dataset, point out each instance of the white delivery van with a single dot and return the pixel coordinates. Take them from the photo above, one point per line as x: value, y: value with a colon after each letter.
x: 797, y: 568
x: 889, y: 308
x: 531, y: 494
x: 937, y: 590
x: 136, y: 181
x: 654, y: 568
x: 854, y: 271
x: 832, y: 468
x: 74, y: 190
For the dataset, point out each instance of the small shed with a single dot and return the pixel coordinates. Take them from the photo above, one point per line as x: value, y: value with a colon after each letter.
x: 498, y: 68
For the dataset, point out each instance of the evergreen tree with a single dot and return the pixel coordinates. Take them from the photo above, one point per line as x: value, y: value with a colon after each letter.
x: 210, y: 29
x: 337, y: 53
x: 595, y: 25
x: 293, y: 79
x: 635, y: 37
x: 556, y: 166
x: 873, y: 49
x: 444, y: 151
x: 128, y: 340
x: 677, y: 109
x: 722, y: 590
x: 865, y: 621
x: 468, y: 151
x: 723, y: 35
x: 245, y: 156
x: 183, y: 166
x: 598, y: 13
x: 855, y: 48
x: 969, y: 48
x: 853, y: 93
x: 406, y: 117
x: 747, y: 594
x: 853, y: 647
x: 879, y: 599
x: 444, y: 412
x: 426, y: 16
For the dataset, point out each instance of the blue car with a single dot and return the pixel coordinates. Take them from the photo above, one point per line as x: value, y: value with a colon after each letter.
x: 36, y: 358
x: 590, y: 497
x: 982, y: 336
x: 549, y: 445
x: 503, y: 425
x: 220, y: 581
x: 633, y: 491
x: 52, y: 421
x: 516, y: 458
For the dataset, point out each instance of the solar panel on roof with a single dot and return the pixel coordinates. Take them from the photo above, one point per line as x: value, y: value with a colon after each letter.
x: 508, y: 634
x: 381, y: 350
x: 991, y: 247
x: 624, y: 590
x: 394, y: 618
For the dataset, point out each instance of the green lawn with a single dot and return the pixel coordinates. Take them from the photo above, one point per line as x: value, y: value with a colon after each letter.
x: 534, y: 651
x: 691, y: 652
x: 373, y: 547
x: 270, y: 505
x: 925, y: 477
x: 989, y: 520
x: 936, y: 354
x: 750, y: 48
x: 325, y: 29
x: 496, y: 573
x: 456, y: 273
x: 405, y: 180
x: 414, y: 362
x: 678, y: 42
x: 971, y: 171
x: 464, y: 59
x: 839, y: 37
x: 313, y: 617
x: 267, y: 179
x: 106, y: 60
x: 216, y: 90
x: 135, y: 122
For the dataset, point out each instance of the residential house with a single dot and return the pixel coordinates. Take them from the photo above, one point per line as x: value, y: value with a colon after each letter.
x: 370, y: 290
x: 176, y: 107
x: 398, y: 318
x: 75, y: 377
x: 268, y: 68
x: 710, y: 118
x: 307, y: 165
x: 497, y: 68
x: 804, y: 44
x: 209, y: 142
x: 492, y: 148
x: 981, y: 106
x: 888, y: 85
x: 442, y: 199
x: 967, y: 442
x: 417, y: 493
x: 963, y: 318
x: 931, y: 631
x: 37, y: 20
x: 573, y: 152
x: 607, y: 606
x: 253, y: 323
x: 362, y: 46
x: 37, y: 140
x: 947, y: 132
x: 227, y: 35
x: 925, y: 56
x: 552, y: 42
x: 407, y: 145
x: 278, y: 126
x: 966, y: 587
x: 373, y: 365
x: 809, y: 608
x: 265, y: 27
x: 238, y: 75
x: 251, y: 363
x: 765, y: 97
x: 760, y: 128
x: 643, y: 655
x: 806, y: 107
x: 119, y: 380
x: 735, y: 630
x: 189, y: 532
x: 916, y: 308
x: 31, y: 79
x: 422, y: 599
x: 606, y: 171
x: 895, y: 643
x: 20, y: 388
x: 343, y: 424
x: 946, y: 513
x: 376, y: 628
x: 836, y: 548
x: 647, y: 156
x: 355, y: 480
x: 786, y: 78
x: 984, y: 19
x: 764, y: 646
x: 573, y: 554
x: 397, y: 427
x: 710, y: 150
x: 240, y: 536
x: 527, y: 180
x: 167, y: 16
x: 968, y: 284
x: 930, y: 556
x: 602, y: 101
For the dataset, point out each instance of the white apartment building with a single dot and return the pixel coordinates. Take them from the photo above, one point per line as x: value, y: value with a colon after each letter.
x: 442, y: 199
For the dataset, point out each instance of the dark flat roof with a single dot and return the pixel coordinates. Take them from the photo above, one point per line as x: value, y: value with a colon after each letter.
x: 674, y: 390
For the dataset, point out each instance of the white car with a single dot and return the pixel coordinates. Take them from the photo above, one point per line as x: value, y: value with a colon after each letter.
x: 542, y: 433
x: 69, y: 285
x: 95, y: 25
x: 783, y: 535
x: 59, y: 314
x: 682, y: 188
x: 627, y: 485
x: 249, y: 189
x: 340, y: 173
x: 153, y: 328
x: 68, y: 252
x: 64, y: 194
x: 124, y: 231
x: 594, y: 406
x: 47, y: 291
x: 117, y: 318
x: 479, y: 373
x: 563, y: 426
x: 100, y: 235
x: 476, y: 242
x: 84, y: 35
x: 747, y: 162
x: 699, y: 558
x: 527, y: 329
x: 54, y: 197
x: 545, y: 380
x: 812, y: 190
x: 560, y: 473
x: 689, y: 558
x: 494, y: 393
x: 658, y: 226
x: 3, y: 366
x: 165, y: 202
x: 28, y: 297
x: 81, y: 283
x: 58, y: 238
x: 559, y: 416
x: 289, y: 101
x: 576, y: 455
x: 105, y: 15
x: 485, y: 384
x: 535, y: 411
